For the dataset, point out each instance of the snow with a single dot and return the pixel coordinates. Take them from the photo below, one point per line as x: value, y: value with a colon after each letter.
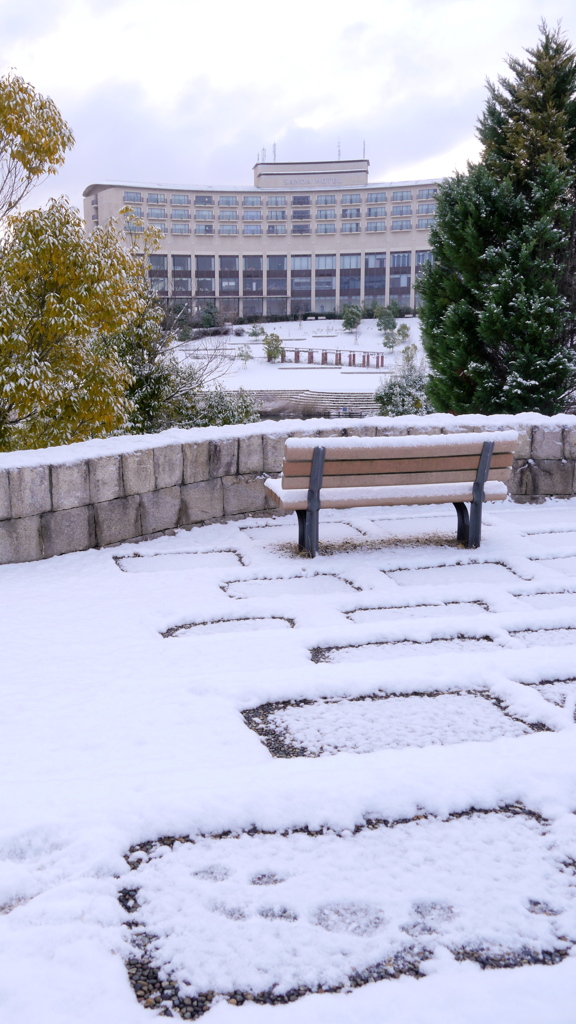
x: 444, y: 800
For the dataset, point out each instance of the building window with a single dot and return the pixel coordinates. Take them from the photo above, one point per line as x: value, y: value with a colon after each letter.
x: 133, y: 229
x: 424, y: 223
x: 252, y: 307
x: 180, y: 200
x: 424, y: 256
x: 426, y: 208
x: 136, y: 211
x: 401, y: 196
x: 276, y: 229
x: 204, y: 215
x: 375, y: 277
x: 158, y: 274
x: 402, y: 211
x: 181, y: 275
x: 276, y: 278
x: 229, y: 276
x: 132, y: 197
x: 351, y: 199
x: 227, y: 201
x: 205, y: 275
x: 203, y: 200
x: 325, y: 229
x: 228, y: 215
x: 160, y: 225
x: 376, y: 211
x: 276, y: 307
x: 401, y: 225
x: 300, y: 229
x: 326, y: 262
x: 252, y: 276
x: 201, y: 229
x: 228, y: 229
x: 376, y: 225
x: 300, y: 200
x: 350, y: 272
x: 252, y: 229
x: 352, y: 213
x: 300, y: 214
x: 328, y: 214
x: 427, y: 193
x: 184, y: 214
x: 350, y: 227
x: 301, y: 263
x: 325, y: 200
x: 325, y: 281
x: 376, y: 197
x: 156, y: 197
x: 252, y: 201
x: 277, y: 215
x: 350, y: 261
x: 252, y: 215
x: 276, y: 201
x: 184, y: 229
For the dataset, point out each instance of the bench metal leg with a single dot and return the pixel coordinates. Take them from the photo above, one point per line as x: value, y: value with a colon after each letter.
x: 475, y: 531
x: 301, y: 513
x: 463, y: 522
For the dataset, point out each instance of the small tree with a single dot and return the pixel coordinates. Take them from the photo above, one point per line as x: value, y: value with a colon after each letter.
x: 256, y: 331
x: 272, y: 346
x: 385, y: 319
x: 351, y: 318
x: 245, y: 354
x: 404, y: 393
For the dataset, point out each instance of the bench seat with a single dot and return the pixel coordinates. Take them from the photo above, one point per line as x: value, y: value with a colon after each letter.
x: 408, y: 494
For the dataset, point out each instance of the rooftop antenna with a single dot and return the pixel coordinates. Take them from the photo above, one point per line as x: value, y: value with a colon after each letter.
x: 274, y: 152
x: 364, y: 149
x: 263, y: 156
x: 258, y: 157
x: 338, y: 148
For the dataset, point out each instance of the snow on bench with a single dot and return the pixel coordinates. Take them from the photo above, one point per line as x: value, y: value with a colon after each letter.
x: 352, y: 472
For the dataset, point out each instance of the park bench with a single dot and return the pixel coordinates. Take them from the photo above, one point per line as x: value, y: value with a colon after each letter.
x: 352, y: 472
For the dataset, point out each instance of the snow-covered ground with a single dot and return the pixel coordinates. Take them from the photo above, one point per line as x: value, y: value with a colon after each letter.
x: 353, y: 773
x: 317, y: 335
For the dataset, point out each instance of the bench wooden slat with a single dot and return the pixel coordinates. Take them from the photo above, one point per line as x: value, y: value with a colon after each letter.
x: 413, y: 494
x: 300, y: 449
x: 358, y: 467
x: 396, y: 479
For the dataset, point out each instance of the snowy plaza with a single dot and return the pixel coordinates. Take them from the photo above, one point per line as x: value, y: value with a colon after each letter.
x: 260, y: 787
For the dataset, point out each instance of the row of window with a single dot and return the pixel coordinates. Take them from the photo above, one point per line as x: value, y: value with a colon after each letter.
x: 276, y: 264
x: 348, y: 199
x: 347, y: 227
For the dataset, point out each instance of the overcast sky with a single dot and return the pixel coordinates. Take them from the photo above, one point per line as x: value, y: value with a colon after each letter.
x: 189, y: 92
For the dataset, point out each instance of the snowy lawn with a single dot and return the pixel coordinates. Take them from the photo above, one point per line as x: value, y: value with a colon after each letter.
x: 240, y: 783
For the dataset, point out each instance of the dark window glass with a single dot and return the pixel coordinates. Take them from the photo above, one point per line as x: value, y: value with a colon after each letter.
x: 253, y: 263
x: 300, y: 200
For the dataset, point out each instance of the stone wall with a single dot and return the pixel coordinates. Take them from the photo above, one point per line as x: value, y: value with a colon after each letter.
x: 103, y: 492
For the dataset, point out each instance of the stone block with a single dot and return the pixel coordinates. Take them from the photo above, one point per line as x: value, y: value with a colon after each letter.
x: 570, y: 442
x: 5, y: 512
x: 223, y: 457
x: 196, y: 461
x: 243, y: 494
x: 70, y: 529
x: 251, y: 454
x: 160, y: 510
x: 362, y: 431
x: 553, y: 477
x: 391, y: 431
x: 201, y: 501
x: 168, y: 464
x: 105, y: 474
x: 70, y: 486
x: 425, y: 428
x: 138, y: 471
x: 273, y: 450
x: 20, y: 540
x: 520, y: 481
x: 524, y: 445
x: 547, y: 443
x: 29, y: 491
x: 117, y: 520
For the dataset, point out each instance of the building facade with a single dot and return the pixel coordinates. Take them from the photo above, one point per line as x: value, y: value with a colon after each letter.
x: 306, y: 237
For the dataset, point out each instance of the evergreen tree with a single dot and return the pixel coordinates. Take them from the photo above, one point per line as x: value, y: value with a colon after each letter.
x: 498, y: 313
x: 404, y: 393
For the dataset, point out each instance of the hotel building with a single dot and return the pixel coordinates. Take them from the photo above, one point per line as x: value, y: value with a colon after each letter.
x: 306, y: 237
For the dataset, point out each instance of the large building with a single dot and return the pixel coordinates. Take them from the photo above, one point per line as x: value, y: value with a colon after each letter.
x: 305, y: 237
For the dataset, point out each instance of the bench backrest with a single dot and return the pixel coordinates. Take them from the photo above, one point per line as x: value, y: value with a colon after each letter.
x: 393, y: 461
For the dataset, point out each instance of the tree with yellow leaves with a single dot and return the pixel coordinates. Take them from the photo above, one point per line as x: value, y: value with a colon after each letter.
x: 63, y: 296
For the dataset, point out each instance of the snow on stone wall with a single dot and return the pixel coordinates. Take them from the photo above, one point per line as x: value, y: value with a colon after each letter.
x: 105, y: 491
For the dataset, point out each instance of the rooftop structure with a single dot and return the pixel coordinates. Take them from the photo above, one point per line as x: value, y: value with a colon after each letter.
x: 312, y: 236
